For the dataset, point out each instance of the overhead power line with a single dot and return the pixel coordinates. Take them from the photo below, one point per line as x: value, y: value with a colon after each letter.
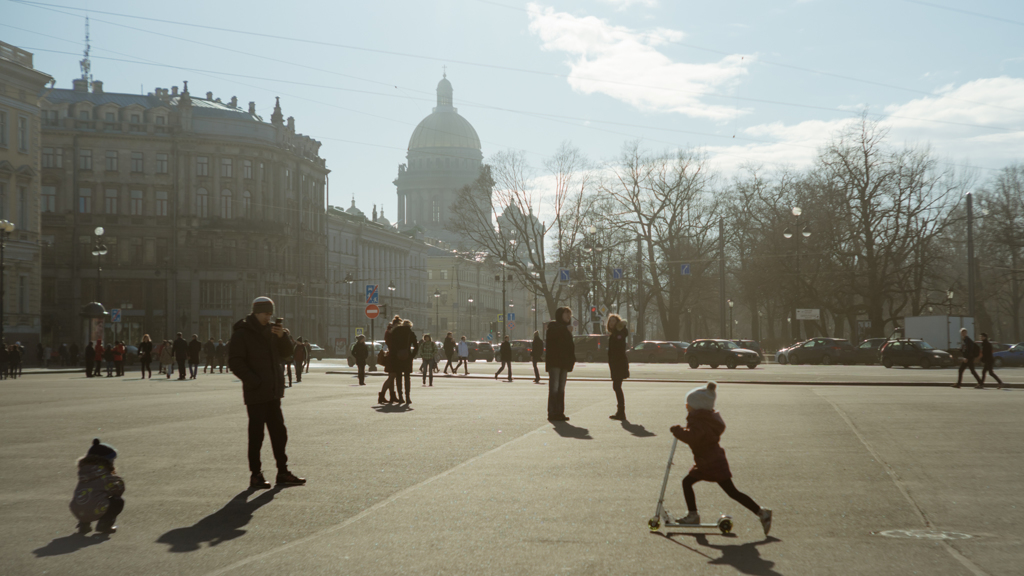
x: 968, y: 12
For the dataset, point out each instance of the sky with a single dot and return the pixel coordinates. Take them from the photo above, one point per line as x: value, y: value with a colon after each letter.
x: 748, y: 81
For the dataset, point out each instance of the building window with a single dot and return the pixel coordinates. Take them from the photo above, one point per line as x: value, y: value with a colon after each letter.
x: 246, y: 204
x: 225, y: 203
x: 161, y: 163
x: 247, y: 169
x: 202, y: 166
x: 3, y: 129
x: 160, y: 208
x: 51, y: 118
x: 136, y: 203
x: 225, y: 167
x: 444, y: 274
x: 23, y: 208
x: 23, y: 295
x: 136, y: 119
x: 84, y: 116
x: 110, y: 201
x: 110, y: 117
x: 84, y: 201
x: 216, y: 294
x: 137, y: 161
x: 53, y: 157
x: 263, y: 171
x: 22, y: 134
x: 160, y: 120
x: 430, y: 274
x: 110, y: 162
x: 435, y: 211
x: 49, y: 199
x: 3, y: 201
x: 202, y: 203
x: 85, y: 159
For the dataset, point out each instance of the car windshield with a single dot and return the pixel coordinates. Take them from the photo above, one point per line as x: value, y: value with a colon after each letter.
x: 923, y: 345
x: 729, y: 345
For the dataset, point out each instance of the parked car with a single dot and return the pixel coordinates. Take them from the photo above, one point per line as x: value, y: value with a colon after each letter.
x: 371, y: 358
x: 868, y: 351
x: 751, y: 345
x: 999, y: 346
x: 1012, y: 357
x: 782, y: 354
x: 654, y: 351
x: 316, y: 351
x: 591, y: 347
x: 681, y: 346
x: 909, y: 352
x: 715, y: 353
x: 823, y: 351
x: 480, y: 350
x: 521, y: 350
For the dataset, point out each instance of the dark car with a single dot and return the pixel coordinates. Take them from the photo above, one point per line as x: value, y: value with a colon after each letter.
x: 909, y: 352
x: 521, y: 350
x: 1012, y: 357
x: 715, y: 353
x: 315, y: 351
x: 681, y: 347
x: 751, y: 345
x: 782, y: 354
x: 591, y: 347
x: 653, y: 351
x: 823, y: 351
x: 480, y: 350
x: 867, y: 352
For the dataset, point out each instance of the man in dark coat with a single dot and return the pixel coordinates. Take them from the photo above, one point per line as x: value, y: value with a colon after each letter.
x: 988, y: 362
x: 559, y: 360
x: 536, y: 355
x: 401, y: 355
x: 180, y: 350
x: 195, y: 348
x: 220, y: 355
x: 360, y: 353
x: 256, y: 351
x: 299, y: 357
x: 969, y: 352
x: 449, y: 351
x: 505, y: 355
x: 90, y: 359
x: 209, y: 350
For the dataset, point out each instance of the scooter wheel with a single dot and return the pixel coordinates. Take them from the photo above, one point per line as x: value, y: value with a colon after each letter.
x: 725, y: 526
x: 654, y: 524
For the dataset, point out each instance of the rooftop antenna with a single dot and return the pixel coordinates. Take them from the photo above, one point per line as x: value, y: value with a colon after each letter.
x: 85, y: 64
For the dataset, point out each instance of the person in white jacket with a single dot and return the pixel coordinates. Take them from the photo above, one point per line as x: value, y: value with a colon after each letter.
x: 463, y: 350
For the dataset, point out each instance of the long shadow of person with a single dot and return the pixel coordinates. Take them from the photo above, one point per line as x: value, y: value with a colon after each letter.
x: 392, y: 408
x: 637, y: 430
x: 69, y: 544
x: 743, y: 557
x: 566, y: 430
x: 223, y: 525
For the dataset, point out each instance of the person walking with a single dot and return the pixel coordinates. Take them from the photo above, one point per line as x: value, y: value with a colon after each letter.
x: 120, y: 351
x: 559, y: 360
x: 309, y: 353
x: 536, y: 355
x: 428, y: 349
x: 299, y: 357
x: 404, y: 350
x: 389, y: 366
x: 257, y: 350
x: 220, y: 355
x: 108, y: 357
x: 209, y: 351
x: 969, y: 352
x: 180, y: 351
x: 98, y: 357
x: 505, y: 354
x: 618, y: 363
x: 360, y: 353
x: 195, y: 348
x: 90, y: 359
x: 463, y: 350
x: 146, y: 356
x: 448, y: 346
x: 166, y: 358
x: 988, y: 362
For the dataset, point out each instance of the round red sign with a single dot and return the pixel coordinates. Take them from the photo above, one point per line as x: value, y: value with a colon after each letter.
x: 372, y: 311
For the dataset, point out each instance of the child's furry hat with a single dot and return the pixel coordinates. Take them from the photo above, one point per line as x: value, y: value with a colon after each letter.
x: 703, y: 398
x: 102, y: 450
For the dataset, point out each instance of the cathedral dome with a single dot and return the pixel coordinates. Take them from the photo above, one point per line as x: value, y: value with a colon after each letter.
x: 444, y: 128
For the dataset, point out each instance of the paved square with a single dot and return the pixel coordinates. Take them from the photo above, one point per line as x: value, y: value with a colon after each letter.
x: 472, y: 480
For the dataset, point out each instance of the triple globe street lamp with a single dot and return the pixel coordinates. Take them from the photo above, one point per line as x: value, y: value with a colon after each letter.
x: 787, y: 234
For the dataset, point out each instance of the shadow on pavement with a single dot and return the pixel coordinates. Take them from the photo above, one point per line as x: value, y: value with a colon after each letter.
x: 637, y: 430
x: 745, y: 558
x: 223, y: 525
x: 566, y: 430
x: 387, y: 408
x: 69, y: 544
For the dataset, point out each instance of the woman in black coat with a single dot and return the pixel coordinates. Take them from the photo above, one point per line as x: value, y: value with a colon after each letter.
x: 402, y: 354
x: 559, y: 360
x: 146, y: 356
x: 536, y: 355
x: 389, y: 382
x: 618, y: 363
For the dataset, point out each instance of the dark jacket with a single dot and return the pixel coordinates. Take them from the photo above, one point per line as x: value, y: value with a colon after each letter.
x: 300, y: 353
x: 90, y: 353
x: 360, y: 351
x: 389, y: 342
x: 195, y: 347
x: 255, y: 356
x: 618, y: 363
x: 97, y: 483
x: 537, y: 349
x: 449, y: 346
x: 403, y: 350
x: 219, y: 350
x: 703, y: 430
x: 145, y: 351
x: 180, y: 348
x: 561, y: 352
x: 209, y: 348
x: 505, y: 352
x: 986, y: 352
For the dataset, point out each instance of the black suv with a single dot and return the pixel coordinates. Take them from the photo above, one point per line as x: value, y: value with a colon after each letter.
x: 823, y: 351
x: 909, y: 352
x: 717, y: 352
x: 479, y: 350
x: 521, y: 350
x: 591, y: 347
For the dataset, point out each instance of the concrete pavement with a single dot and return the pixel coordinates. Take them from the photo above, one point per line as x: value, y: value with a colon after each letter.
x: 471, y: 479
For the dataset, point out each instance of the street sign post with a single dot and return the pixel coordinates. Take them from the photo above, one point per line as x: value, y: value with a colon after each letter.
x: 808, y: 314
x: 372, y: 295
x: 511, y: 325
x: 500, y: 318
x: 617, y: 274
x: 684, y: 269
x: 115, y: 315
x: 563, y: 275
x: 372, y: 311
x: 511, y: 316
x: 359, y: 332
x: 604, y: 310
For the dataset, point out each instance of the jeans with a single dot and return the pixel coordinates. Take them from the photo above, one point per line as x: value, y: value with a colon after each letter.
x: 110, y: 368
x: 503, y: 364
x: 267, y: 414
x: 988, y: 369
x: 144, y: 362
x: 968, y: 364
x: 193, y: 369
x: 362, y: 372
x: 448, y: 355
x: 620, y: 399
x: 556, y: 391
x: 181, y: 368
x: 536, y: 372
x: 463, y: 361
x: 427, y: 368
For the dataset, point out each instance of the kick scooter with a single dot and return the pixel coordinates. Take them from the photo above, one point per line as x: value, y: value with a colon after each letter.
x: 724, y: 522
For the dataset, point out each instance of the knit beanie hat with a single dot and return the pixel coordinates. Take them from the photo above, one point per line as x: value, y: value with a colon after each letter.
x: 263, y: 304
x: 102, y: 450
x: 703, y: 398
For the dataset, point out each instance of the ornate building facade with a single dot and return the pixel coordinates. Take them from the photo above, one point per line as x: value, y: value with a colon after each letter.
x: 202, y: 206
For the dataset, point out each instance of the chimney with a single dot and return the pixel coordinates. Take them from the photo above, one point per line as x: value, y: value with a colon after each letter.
x: 291, y: 124
x: 234, y: 101
x: 209, y: 95
x: 97, y: 87
x: 80, y: 85
x: 252, y: 108
x: 174, y: 90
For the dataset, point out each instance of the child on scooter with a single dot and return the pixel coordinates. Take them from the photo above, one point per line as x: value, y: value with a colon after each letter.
x: 704, y: 428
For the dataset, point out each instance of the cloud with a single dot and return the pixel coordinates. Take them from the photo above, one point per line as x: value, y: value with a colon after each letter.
x: 626, y: 65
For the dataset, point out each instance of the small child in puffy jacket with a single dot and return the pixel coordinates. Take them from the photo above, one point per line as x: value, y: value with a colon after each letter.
x: 98, y: 493
x: 704, y: 428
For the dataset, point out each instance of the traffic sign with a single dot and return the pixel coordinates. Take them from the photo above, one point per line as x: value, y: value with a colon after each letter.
x: 617, y: 274
x: 115, y: 314
x: 372, y: 311
x: 563, y: 275
x: 489, y: 336
x: 500, y: 318
x: 684, y: 269
x: 575, y: 322
x: 511, y: 325
x: 511, y: 316
x: 604, y: 310
x: 372, y: 296
x: 359, y: 332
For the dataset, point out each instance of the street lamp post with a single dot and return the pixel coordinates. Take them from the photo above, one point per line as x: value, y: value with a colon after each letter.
x: 391, y: 300
x: 437, y: 310
x: 98, y: 250
x: 805, y: 233
x: 6, y: 227
x: 348, y: 304
x: 949, y: 299
x: 471, y: 318
x: 731, y: 304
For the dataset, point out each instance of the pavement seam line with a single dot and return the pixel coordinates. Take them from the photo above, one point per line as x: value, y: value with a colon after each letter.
x: 899, y: 484
x: 371, y: 509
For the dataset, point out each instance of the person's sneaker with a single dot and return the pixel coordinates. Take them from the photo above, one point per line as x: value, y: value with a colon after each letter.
x: 258, y: 481
x: 618, y: 416
x: 106, y: 527
x: 288, y: 479
x: 766, y: 519
x: 690, y: 518
x: 955, y: 386
x: 84, y: 527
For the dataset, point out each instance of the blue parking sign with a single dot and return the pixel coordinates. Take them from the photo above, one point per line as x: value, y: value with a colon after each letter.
x: 511, y: 317
x: 684, y: 269
x: 115, y: 314
x: 372, y: 296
